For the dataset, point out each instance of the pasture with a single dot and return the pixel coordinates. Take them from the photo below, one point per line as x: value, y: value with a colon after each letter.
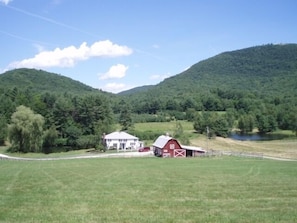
x: 285, y: 148
x: 217, y: 189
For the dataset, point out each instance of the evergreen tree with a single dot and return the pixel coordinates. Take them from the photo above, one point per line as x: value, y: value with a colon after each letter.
x: 125, y: 118
x: 3, y: 129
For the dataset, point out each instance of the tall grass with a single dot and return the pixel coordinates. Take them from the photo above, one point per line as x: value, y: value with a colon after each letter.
x: 286, y: 148
x: 148, y: 190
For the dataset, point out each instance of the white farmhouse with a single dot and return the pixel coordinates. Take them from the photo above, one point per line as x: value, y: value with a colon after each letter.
x: 122, y: 141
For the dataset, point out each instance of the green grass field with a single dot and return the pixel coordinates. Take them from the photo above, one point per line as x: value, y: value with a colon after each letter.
x: 285, y: 148
x: 218, y: 189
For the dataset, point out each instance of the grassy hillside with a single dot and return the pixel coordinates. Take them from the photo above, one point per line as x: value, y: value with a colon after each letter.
x: 42, y: 81
x: 132, y: 190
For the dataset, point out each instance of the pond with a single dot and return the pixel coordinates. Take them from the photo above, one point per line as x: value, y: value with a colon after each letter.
x: 255, y: 136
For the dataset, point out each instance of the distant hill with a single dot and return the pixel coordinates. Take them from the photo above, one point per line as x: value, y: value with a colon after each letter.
x: 136, y: 90
x: 268, y: 70
x: 42, y: 81
x: 264, y: 70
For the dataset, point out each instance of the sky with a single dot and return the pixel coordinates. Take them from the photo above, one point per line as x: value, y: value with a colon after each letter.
x: 116, y: 45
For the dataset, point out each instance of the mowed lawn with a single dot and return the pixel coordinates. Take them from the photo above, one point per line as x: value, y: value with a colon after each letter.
x: 218, y: 189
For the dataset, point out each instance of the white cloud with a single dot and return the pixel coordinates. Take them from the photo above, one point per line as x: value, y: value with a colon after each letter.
x: 67, y: 57
x: 5, y: 2
x: 116, y: 71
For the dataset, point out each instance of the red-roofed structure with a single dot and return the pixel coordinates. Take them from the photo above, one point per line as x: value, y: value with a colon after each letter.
x: 166, y: 146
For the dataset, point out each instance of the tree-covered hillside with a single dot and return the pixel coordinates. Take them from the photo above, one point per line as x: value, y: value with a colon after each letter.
x: 268, y: 71
x: 257, y: 86
x: 253, y: 88
x: 265, y: 70
x: 73, y: 115
x: 41, y: 81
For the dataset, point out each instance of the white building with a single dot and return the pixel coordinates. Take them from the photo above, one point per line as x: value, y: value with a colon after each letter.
x: 122, y: 141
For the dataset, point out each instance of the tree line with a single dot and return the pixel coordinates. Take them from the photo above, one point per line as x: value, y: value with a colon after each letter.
x: 48, y: 122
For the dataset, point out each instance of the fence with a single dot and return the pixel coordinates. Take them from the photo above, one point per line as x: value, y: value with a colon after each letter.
x: 233, y: 153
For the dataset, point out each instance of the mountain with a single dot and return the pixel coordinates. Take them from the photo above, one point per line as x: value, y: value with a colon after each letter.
x: 268, y: 70
x: 262, y: 70
x: 136, y: 90
x: 42, y: 81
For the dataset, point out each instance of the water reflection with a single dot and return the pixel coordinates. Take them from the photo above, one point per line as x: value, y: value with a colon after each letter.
x: 255, y: 136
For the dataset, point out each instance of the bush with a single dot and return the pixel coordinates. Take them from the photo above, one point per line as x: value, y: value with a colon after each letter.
x: 87, y: 141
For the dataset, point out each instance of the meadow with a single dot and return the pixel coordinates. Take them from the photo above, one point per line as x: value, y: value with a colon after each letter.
x: 284, y: 148
x: 216, y: 189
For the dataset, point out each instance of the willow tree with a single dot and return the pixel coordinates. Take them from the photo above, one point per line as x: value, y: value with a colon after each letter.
x: 26, y: 130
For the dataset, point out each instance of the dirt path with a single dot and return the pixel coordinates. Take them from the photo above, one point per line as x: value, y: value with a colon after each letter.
x: 89, y: 156
x: 108, y: 155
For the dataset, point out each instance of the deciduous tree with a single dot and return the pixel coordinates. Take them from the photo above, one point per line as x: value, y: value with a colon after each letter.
x: 26, y: 130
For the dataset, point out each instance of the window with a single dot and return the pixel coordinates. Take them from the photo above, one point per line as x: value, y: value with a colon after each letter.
x: 172, y: 146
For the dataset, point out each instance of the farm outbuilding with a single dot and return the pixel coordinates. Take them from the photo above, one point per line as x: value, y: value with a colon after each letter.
x: 193, y: 151
x: 121, y: 141
x: 166, y: 146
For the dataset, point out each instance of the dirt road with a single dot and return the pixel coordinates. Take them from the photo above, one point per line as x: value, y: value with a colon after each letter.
x: 88, y: 156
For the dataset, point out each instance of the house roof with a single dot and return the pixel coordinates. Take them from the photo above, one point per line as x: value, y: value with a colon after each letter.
x: 120, y: 135
x: 161, y: 141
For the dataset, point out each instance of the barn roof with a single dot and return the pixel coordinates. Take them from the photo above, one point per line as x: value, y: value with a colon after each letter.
x: 161, y: 141
x: 120, y: 135
x: 194, y: 148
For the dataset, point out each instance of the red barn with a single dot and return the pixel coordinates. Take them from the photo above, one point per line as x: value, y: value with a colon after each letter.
x: 166, y: 146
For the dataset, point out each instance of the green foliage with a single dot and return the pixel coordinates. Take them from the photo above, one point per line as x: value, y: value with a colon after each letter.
x: 293, y: 124
x: 73, y: 116
x: 145, y: 117
x: 125, y: 119
x: 246, y: 123
x: 3, y: 130
x: 241, y: 80
x: 26, y: 130
x: 40, y: 81
x: 88, y: 141
x: 266, y: 123
x: 213, y: 122
x: 256, y: 83
x: 50, y: 139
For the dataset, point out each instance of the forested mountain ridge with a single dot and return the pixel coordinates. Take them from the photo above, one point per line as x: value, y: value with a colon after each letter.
x: 255, y: 88
x: 42, y: 81
x: 262, y: 69
x: 136, y: 90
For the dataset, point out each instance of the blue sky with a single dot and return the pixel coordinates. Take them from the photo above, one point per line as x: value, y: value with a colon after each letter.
x: 115, y: 45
